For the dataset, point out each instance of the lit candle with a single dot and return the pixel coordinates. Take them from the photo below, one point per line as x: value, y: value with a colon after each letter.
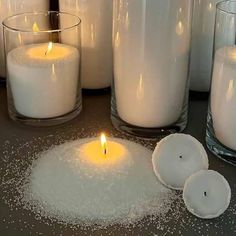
x: 207, y: 194
x: 177, y: 157
x: 77, y: 180
x: 11, y: 7
x: 104, y: 144
x: 43, y: 79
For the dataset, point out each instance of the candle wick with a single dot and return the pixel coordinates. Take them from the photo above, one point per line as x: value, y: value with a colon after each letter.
x: 105, y: 151
x: 205, y: 194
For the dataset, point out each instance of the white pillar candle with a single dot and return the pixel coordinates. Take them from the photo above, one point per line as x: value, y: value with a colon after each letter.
x: 176, y: 157
x: 207, y: 194
x: 151, y: 53
x: 43, y: 85
x: 223, y: 96
x: 96, y: 16
x: 11, y: 7
x: 202, y: 44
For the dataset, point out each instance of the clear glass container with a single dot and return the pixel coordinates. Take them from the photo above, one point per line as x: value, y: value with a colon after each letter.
x: 221, y: 123
x: 151, y: 46
x: 96, y: 64
x: 203, y: 25
x: 43, y: 75
x: 11, y: 7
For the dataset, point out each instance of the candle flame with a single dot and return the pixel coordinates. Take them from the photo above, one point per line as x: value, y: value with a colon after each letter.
x: 35, y: 27
x: 49, y: 49
x: 104, y: 144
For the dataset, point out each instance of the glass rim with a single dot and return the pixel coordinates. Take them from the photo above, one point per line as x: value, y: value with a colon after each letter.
x: 221, y: 6
x: 46, y: 13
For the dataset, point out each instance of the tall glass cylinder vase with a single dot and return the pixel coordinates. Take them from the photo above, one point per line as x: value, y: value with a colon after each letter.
x: 96, y: 16
x: 43, y: 69
x: 221, y: 124
x: 11, y: 7
x: 202, y: 44
x: 151, y: 44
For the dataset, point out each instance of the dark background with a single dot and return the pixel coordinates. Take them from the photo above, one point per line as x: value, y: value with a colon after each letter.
x: 54, y: 5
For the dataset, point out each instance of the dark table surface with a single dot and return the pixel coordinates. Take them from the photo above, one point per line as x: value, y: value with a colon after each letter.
x: 95, y: 118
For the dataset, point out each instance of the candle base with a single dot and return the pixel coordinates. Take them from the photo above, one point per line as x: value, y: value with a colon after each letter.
x: 46, y: 122
x: 216, y: 147
x: 150, y: 133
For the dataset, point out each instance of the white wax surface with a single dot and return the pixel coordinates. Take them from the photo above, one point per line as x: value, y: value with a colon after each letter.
x: 76, y: 181
x: 202, y: 44
x: 207, y: 194
x: 223, y: 96
x: 96, y: 16
x: 11, y: 7
x: 43, y: 86
x: 176, y: 157
x: 151, y: 41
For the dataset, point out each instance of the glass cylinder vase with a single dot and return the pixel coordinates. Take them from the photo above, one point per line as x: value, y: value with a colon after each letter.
x: 96, y: 16
x: 202, y: 44
x: 151, y: 44
x: 11, y: 7
x: 43, y: 81
x: 221, y: 124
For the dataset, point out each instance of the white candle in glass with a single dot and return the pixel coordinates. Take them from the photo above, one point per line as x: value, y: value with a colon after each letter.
x: 96, y: 16
x: 151, y: 55
x: 43, y: 79
x: 11, y: 7
x: 202, y: 44
x: 223, y: 96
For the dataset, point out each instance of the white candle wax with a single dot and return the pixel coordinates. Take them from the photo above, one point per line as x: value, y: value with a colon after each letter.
x: 96, y: 16
x: 11, y: 7
x: 207, y: 194
x: 202, y: 44
x: 43, y: 85
x: 176, y: 157
x: 223, y: 96
x: 151, y: 52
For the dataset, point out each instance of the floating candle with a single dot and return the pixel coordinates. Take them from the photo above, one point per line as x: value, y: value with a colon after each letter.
x: 176, y: 157
x: 207, y: 194
x: 43, y: 79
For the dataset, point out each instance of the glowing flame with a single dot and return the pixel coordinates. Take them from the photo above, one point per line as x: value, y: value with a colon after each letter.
x: 104, y: 144
x: 49, y: 49
x: 35, y: 27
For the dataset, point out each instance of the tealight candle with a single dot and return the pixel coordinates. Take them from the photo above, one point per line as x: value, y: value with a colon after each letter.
x: 43, y: 79
x: 207, y: 194
x: 176, y: 157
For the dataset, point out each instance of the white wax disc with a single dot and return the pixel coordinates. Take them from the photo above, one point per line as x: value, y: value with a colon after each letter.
x: 177, y: 157
x: 207, y: 194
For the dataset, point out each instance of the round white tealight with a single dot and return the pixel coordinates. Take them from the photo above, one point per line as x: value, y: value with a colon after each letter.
x: 177, y: 157
x: 207, y: 194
